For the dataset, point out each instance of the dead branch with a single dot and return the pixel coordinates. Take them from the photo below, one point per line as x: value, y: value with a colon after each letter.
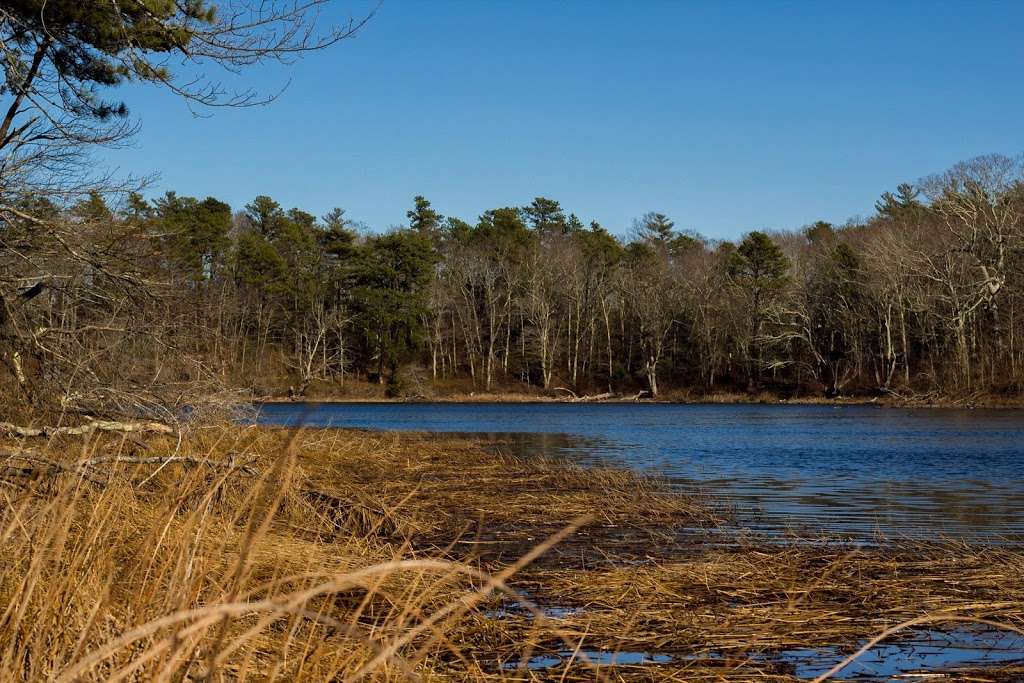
x: 36, y: 467
x: 88, y: 428
x: 572, y: 394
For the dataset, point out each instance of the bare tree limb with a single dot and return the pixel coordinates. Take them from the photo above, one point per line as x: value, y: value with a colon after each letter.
x: 87, y: 428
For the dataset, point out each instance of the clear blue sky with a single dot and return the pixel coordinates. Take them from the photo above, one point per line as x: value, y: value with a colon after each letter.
x: 727, y: 116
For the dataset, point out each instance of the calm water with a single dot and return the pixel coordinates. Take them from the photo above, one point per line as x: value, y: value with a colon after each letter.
x: 852, y: 470
x: 924, y: 651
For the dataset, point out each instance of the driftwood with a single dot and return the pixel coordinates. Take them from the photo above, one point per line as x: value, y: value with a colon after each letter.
x: 573, y: 398
x: 87, y: 428
x: 596, y: 397
x: 607, y: 396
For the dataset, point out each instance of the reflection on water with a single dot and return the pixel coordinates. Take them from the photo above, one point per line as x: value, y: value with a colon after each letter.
x: 928, y: 652
x: 594, y: 657
x: 851, y: 470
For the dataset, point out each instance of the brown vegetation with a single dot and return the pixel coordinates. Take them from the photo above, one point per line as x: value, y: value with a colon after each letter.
x: 233, y: 553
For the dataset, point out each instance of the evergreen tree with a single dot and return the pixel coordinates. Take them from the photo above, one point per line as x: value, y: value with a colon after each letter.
x: 93, y: 208
x: 258, y: 266
x: 819, y: 232
x: 456, y: 230
x: 758, y: 264
x: 655, y: 227
x: 390, y: 288
x: 573, y: 224
x: 137, y: 208
x: 422, y: 218
x: 62, y: 56
x: 758, y: 268
x: 336, y: 236
x: 904, y: 205
x: 546, y: 215
x: 197, y: 232
x: 502, y: 225
x: 266, y: 216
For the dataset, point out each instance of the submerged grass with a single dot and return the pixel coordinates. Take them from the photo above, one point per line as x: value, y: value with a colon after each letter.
x: 251, y: 553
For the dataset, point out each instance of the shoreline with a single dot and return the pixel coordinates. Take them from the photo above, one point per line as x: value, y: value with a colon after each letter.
x: 615, y: 562
x: 528, y: 399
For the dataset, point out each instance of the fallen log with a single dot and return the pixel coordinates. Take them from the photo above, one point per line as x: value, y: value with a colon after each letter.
x: 596, y: 397
x: 87, y: 428
x: 574, y: 398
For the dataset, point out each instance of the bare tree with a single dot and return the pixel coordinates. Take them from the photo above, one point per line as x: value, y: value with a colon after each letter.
x: 651, y: 292
x: 543, y: 303
x: 80, y: 276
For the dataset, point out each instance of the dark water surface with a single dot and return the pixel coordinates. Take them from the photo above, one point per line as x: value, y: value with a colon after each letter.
x: 851, y: 470
x: 925, y: 653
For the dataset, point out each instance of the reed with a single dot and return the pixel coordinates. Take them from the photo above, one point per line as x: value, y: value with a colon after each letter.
x: 233, y: 553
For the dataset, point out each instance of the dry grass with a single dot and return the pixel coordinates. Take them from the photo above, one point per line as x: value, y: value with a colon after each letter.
x: 741, y: 607
x: 327, y: 555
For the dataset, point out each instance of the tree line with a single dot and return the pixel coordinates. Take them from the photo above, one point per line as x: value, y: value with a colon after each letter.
x: 922, y: 298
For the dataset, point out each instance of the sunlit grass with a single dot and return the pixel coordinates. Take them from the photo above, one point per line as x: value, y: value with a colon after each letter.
x: 247, y: 553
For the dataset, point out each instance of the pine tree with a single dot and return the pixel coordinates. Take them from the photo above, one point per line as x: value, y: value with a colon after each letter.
x: 422, y: 218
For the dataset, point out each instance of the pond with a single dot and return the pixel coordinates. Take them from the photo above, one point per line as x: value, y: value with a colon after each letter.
x: 853, y: 471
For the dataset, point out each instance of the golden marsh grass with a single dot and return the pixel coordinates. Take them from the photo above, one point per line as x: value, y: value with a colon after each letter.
x: 249, y: 553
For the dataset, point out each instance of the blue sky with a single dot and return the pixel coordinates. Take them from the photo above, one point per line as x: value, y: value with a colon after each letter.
x: 727, y: 116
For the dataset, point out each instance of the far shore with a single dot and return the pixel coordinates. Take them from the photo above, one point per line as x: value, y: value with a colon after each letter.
x: 972, y: 402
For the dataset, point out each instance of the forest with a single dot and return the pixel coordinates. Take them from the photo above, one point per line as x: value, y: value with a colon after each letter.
x: 119, y: 300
